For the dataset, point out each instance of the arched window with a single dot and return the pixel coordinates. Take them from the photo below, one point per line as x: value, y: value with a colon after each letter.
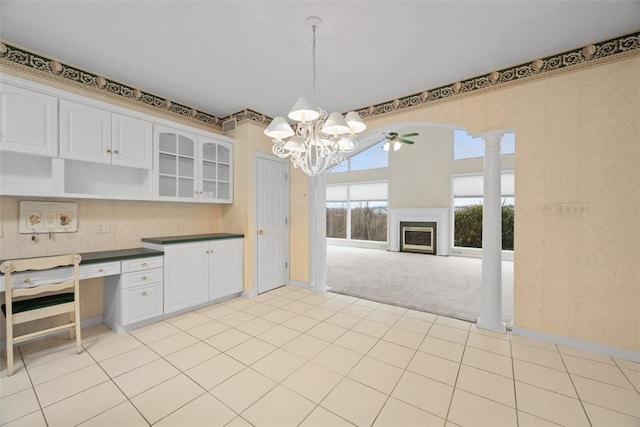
x: 371, y: 158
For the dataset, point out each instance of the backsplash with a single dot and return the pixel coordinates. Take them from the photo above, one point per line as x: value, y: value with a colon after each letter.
x: 107, y: 225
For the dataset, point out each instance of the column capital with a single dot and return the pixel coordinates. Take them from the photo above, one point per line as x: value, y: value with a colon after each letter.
x: 491, y: 137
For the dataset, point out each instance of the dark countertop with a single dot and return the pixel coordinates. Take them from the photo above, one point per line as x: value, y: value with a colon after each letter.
x: 168, y: 240
x: 117, y: 255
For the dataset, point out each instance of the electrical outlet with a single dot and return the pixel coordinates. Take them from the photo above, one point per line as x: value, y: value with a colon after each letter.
x: 104, y: 228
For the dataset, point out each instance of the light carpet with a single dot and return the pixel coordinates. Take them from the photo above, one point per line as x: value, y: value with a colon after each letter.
x: 445, y: 285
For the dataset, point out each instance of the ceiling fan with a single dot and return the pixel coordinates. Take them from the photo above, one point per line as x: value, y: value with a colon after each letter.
x: 394, y: 140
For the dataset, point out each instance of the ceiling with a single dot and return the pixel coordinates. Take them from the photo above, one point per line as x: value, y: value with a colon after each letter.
x: 224, y: 56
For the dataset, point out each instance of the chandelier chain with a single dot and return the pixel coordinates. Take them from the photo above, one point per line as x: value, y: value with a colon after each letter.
x: 313, y: 55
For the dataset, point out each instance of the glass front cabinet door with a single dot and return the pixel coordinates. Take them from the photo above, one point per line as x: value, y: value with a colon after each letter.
x: 216, y: 159
x: 177, y: 165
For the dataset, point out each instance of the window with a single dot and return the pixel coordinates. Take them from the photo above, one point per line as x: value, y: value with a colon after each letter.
x: 357, y: 211
x: 467, y: 208
x: 467, y: 147
x: 372, y: 158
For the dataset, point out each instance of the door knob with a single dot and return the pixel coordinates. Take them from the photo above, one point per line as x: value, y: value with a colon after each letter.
x: 261, y: 232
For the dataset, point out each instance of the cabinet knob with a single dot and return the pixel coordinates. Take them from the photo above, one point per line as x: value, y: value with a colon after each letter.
x: 116, y: 152
x: 262, y: 232
x: 144, y: 293
x: 109, y: 150
x: 144, y: 277
x: 101, y: 270
x: 27, y: 280
x: 144, y: 264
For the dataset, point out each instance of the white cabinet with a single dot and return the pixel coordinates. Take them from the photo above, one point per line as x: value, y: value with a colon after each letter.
x: 28, y: 121
x: 185, y: 276
x: 136, y: 294
x: 216, y: 171
x: 202, y: 271
x: 225, y: 268
x: 176, y: 171
x: 96, y: 135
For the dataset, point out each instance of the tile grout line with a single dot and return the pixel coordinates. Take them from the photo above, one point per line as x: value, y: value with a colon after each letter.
x: 586, y: 414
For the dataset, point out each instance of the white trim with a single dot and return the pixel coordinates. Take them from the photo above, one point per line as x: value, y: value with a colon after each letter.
x: 249, y: 294
x: 438, y: 215
x: 620, y: 353
x: 299, y: 284
x: 367, y: 244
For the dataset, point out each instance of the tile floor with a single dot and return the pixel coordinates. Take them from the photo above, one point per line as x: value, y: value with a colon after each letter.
x: 293, y: 357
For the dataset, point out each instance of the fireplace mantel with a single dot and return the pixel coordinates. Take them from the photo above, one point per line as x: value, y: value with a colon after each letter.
x: 437, y: 215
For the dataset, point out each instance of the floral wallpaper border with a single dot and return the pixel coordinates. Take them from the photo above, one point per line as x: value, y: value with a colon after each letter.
x: 593, y: 54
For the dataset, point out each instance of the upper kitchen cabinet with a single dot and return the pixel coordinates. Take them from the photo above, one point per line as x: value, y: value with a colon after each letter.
x: 177, y: 167
x: 28, y: 121
x: 96, y: 135
x: 216, y: 171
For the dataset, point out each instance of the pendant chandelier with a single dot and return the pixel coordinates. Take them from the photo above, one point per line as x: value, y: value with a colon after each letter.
x: 320, y: 140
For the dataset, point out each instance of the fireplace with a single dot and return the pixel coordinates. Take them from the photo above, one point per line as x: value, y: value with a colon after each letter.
x: 439, y: 216
x: 418, y: 237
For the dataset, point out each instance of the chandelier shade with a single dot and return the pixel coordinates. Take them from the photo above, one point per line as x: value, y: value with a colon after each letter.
x: 320, y: 140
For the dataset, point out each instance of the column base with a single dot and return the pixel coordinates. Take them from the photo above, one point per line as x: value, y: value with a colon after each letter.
x: 498, y: 326
x: 320, y: 288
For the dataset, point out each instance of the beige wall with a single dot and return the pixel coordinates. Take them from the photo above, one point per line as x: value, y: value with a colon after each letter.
x: 420, y: 174
x: 576, y: 141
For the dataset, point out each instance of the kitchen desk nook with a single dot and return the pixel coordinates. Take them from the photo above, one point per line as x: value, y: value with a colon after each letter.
x: 133, y: 283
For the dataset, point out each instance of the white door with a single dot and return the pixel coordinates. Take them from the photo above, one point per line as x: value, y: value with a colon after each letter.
x: 272, y: 214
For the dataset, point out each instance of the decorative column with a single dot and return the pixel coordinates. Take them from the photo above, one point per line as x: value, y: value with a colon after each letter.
x: 318, y: 233
x: 491, y: 312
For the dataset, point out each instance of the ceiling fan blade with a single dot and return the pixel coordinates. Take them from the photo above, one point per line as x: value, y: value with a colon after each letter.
x: 406, y: 135
x: 405, y: 141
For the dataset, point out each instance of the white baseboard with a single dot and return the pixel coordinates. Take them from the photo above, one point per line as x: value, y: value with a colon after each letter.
x: 299, y: 284
x: 249, y: 294
x: 607, y: 350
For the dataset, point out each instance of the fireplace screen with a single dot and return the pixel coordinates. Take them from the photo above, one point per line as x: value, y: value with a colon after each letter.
x: 418, y: 237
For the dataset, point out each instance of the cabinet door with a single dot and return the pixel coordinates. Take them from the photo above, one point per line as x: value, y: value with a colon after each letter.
x: 208, y: 181
x: 85, y: 133
x: 226, y: 268
x: 141, y: 303
x: 132, y: 142
x: 216, y: 173
x: 225, y: 172
x: 28, y: 121
x: 186, y: 272
x: 176, y: 167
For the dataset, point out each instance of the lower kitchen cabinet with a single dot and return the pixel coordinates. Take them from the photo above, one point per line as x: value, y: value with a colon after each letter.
x: 225, y: 268
x: 196, y: 272
x: 136, y: 294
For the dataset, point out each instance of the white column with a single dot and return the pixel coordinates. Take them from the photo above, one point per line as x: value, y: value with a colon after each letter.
x: 491, y: 312
x: 318, y: 233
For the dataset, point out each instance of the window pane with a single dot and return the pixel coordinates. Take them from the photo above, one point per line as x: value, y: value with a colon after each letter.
x: 337, y: 219
x: 467, y: 224
x: 508, y: 144
x: 467, y: 228
x: 371, y: 158
x: 340, y: 168
x: 466, y: 147
x: 369, y: 221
